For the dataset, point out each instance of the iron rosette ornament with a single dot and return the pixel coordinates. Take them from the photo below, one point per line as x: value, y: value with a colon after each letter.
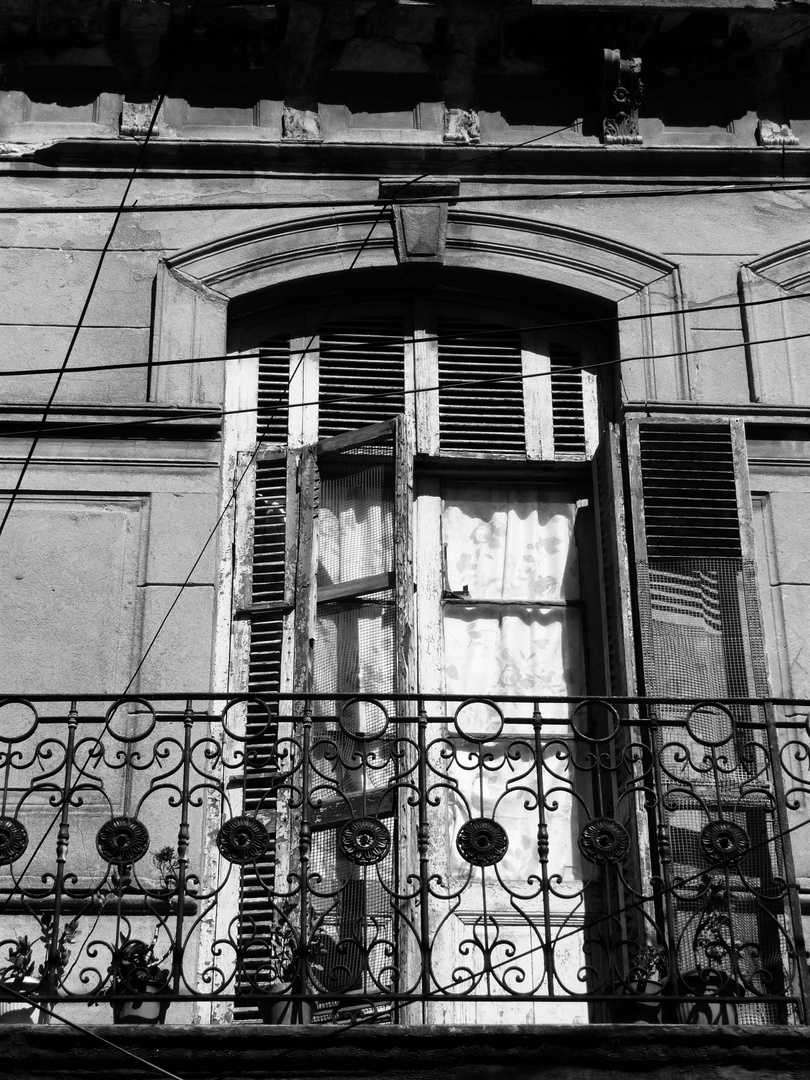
x: 365, y: 841
x: 122, y: 840
x: 13, y: 840
x: 243, y: 840
x: 724, y: 842
x: 482, y: 842
x: 604, y: 841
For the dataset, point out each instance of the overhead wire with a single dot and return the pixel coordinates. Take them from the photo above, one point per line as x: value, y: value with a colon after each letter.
x: 404, y: 339
x: 37, y: 1003
x: 476, y: 161
x: 640, y: 192
x: 216, y: 415
x: 95, y: 278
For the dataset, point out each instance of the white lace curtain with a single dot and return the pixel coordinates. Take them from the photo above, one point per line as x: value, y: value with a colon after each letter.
x: 512, y: 547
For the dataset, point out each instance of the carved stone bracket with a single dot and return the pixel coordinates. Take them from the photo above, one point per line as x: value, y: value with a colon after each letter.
x: 461, y: 126
x: 420, y: 231
x: 770, y: 133
x: 420, y: 228
x: 303, y: 125
x: 623, y: 92
x: 136, y: 116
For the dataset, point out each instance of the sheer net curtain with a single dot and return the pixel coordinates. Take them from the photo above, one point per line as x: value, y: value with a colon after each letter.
x: 512, y: 548
x: 509, y: 548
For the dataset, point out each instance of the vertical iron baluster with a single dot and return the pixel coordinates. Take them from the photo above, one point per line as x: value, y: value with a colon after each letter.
x: 542, y: 846
x: 662, y: 884
x: 304, y: 845
x: 783, y: 831
x: 183, y: 835
x: 62, y: 842
x: 422, y: 843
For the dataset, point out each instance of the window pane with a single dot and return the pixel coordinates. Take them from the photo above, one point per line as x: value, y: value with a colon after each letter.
x: 513, y: 650
x: 509, y: 543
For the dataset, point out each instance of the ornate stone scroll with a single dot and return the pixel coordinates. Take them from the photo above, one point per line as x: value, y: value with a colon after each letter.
x: 623, y: 92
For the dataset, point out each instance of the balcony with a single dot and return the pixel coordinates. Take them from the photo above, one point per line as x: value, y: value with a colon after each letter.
x: 403, y: 861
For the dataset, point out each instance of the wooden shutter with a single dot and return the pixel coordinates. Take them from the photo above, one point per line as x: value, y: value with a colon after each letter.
x: 539, y: 382
x: 353, y: 613
x: 701, y: 636
x: 697, y: 588
x: 274, y: 374
x: 488, y: 418
x: 358, y: 358
x: 567, y: 401
x: 269, y: 602
x: 614, y: 569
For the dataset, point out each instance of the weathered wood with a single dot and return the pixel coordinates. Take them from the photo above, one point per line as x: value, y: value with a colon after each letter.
x: 537, y: 406
x: 306, y: 570
x: 303, y: 394
x: 426, y: 376
x: 358, y: 587
x: 590, y: 411
x: 366, y: 436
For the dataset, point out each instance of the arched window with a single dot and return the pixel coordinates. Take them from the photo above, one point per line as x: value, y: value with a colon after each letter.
x: 423, y: 523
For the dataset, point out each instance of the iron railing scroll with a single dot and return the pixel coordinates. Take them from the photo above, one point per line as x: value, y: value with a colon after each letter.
x: 406, y: 860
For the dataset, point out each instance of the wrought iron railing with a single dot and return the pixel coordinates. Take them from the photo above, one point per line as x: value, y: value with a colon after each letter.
x: 405, y: 860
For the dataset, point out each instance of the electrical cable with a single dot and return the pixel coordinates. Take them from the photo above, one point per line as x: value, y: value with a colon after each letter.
x: 473, y: 335
x: 642, y: 901
x: 379, y: 395
x: 578, y: 931
x: 415, y: 200
x: 96, y: 275
x: 89, y: 1031
x: 347, y: 272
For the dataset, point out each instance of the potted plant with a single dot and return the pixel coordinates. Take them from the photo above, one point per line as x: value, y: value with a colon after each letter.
x: 640, y: 1000
x: 168, y: 868
x: 19, y: 975
x: 712, y: 981
x: 137, y: 973
x: 285, y: 970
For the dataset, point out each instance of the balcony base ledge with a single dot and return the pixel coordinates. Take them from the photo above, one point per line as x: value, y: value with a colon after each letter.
x: 475, y: 1052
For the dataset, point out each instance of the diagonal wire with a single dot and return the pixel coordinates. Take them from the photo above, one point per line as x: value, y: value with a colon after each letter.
x: 384, y: 207
x: 402, y: 393
x: 467, y: 335
x: 89, y: 1031
x: 96, y: 275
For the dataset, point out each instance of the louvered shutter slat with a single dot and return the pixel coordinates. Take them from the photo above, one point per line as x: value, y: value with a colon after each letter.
x: 567, y: 399
x: 274, y: 374
x: 264, y: 677
x: 358, y: 359
x: 484, y: 419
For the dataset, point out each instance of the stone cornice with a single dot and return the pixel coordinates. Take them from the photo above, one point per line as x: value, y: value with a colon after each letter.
x: 475, y: 1052
x: 391, y: 158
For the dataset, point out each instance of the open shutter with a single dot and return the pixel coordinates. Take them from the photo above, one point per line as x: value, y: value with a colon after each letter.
x: 359, y: 555
x: 270, y: 600
x: 701, y: 637
x: 357, y: 361
x: 698, y: 602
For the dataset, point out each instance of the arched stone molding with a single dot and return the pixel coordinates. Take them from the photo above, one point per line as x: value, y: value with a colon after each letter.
x: 778, y: 370
x: 195, y: 287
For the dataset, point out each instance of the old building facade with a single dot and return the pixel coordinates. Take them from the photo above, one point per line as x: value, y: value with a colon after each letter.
x: 406, y: 458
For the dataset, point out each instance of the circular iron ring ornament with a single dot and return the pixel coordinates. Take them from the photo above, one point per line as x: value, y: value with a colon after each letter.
x: 122, y: 840
x: 365, y: 841
x: 603, y: 840
x: 13, y: 840
x: 724, y: 842
x: 243, y: 840
x: 482, y: 842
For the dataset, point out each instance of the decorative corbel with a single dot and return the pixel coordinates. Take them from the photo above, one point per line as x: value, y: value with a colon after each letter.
x: 776, y: 135
x: 420, y: 227
x: 623, y: 92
